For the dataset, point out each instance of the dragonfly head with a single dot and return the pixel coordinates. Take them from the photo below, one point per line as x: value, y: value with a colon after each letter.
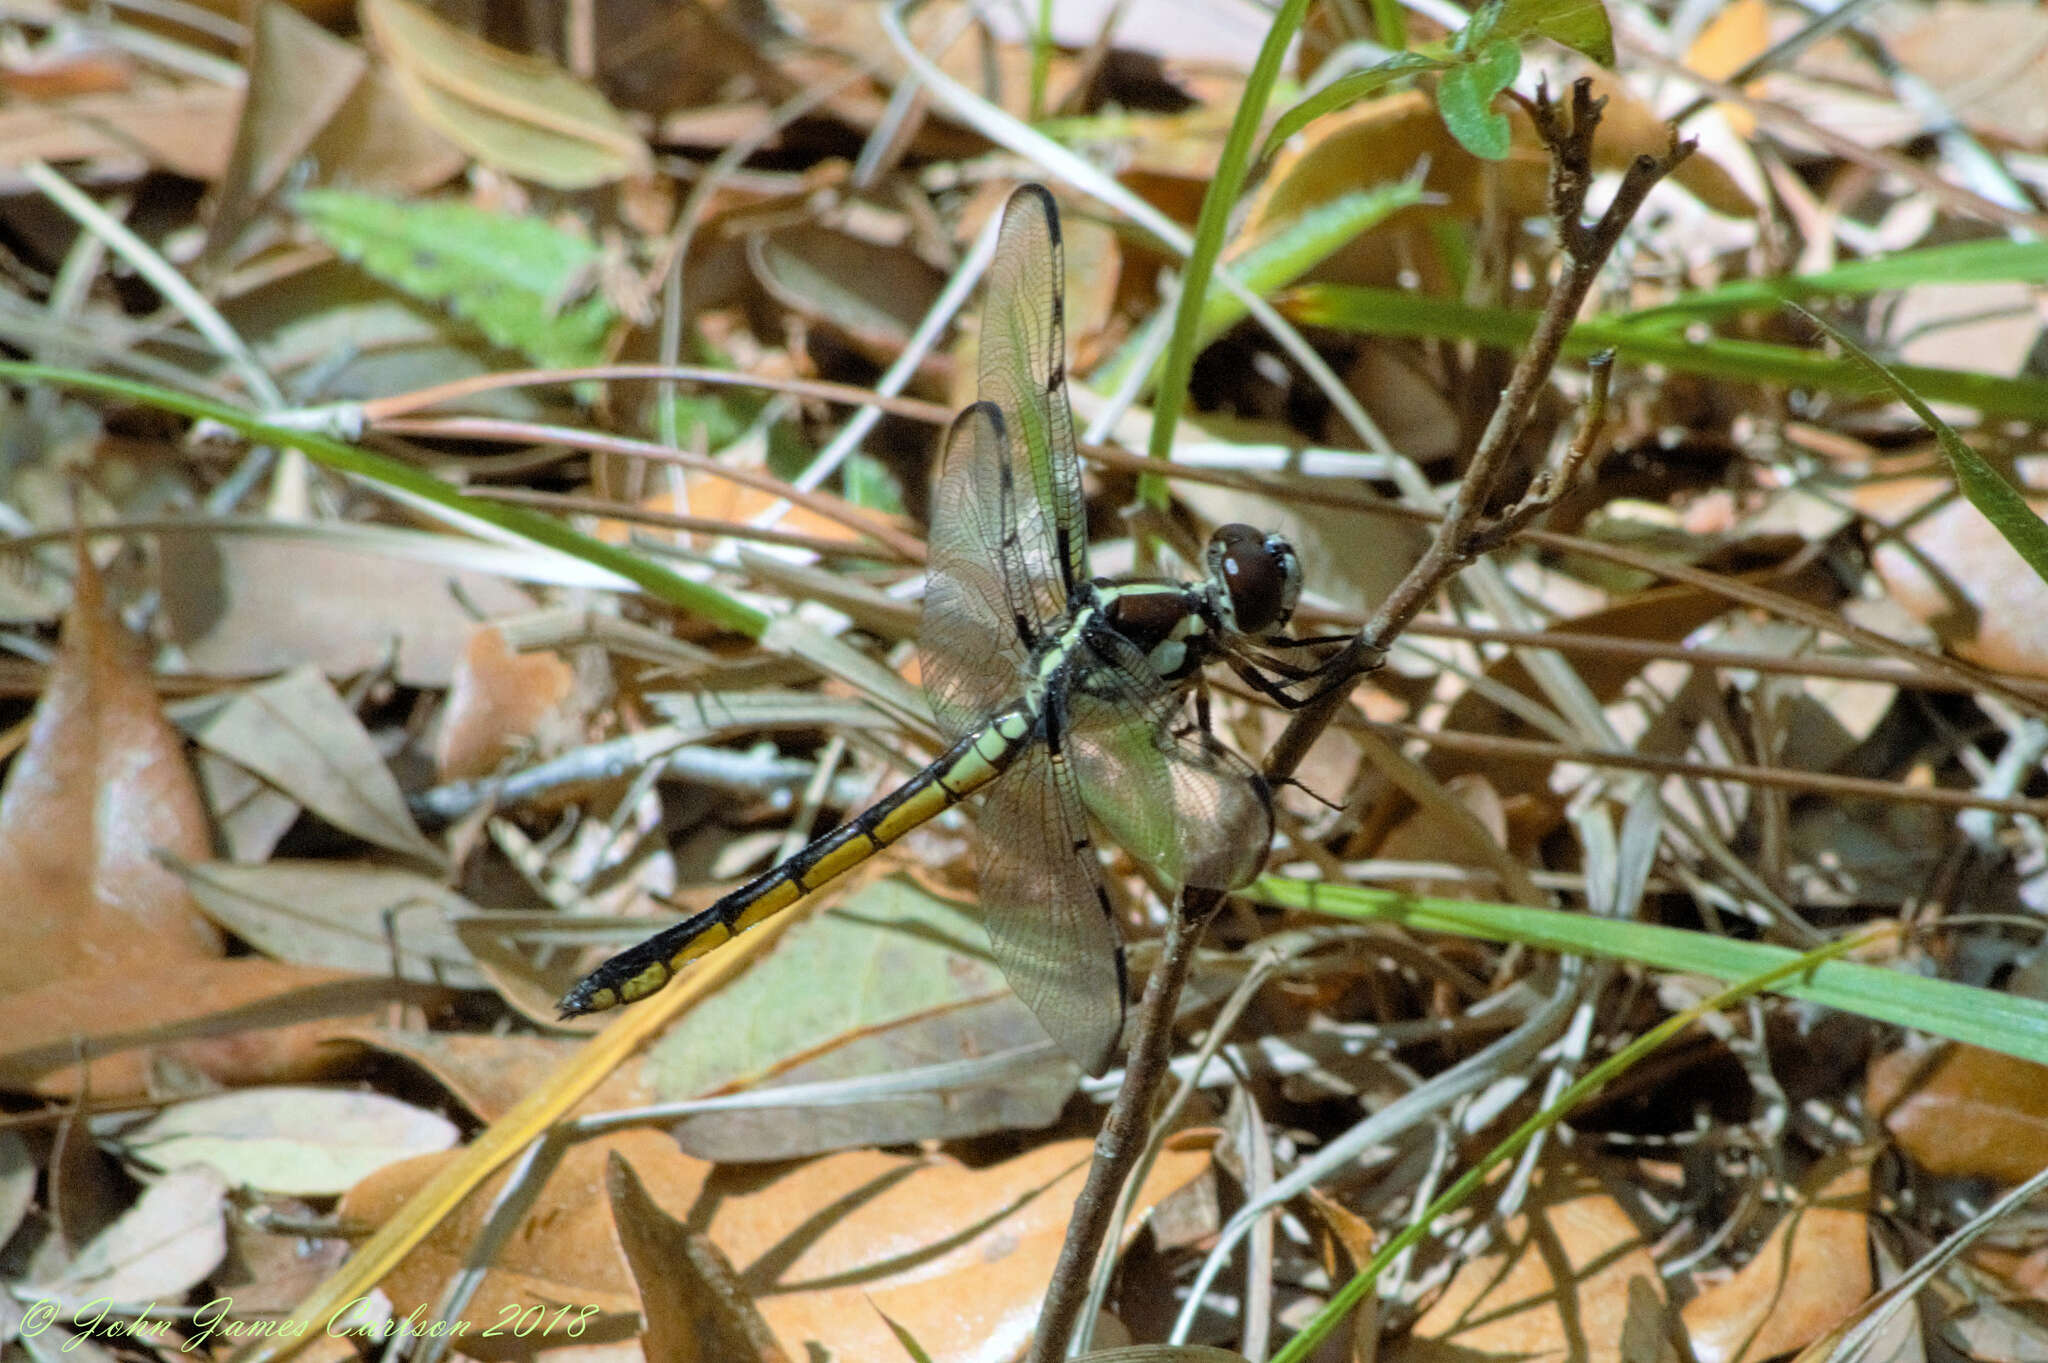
x: 1254, y: 578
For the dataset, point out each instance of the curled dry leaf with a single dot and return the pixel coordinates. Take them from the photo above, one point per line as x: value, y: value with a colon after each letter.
x: 159, y: 1249
x: 498, y: 700
x: 1807, y: 1276
x: 523, y: 116
x: 1964, y: 1111
x: 101, y: 785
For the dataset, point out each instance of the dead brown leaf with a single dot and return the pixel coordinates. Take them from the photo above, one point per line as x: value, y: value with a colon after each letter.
x: 1558, y: 1287
x: 1809, y: 1274
x: 497, y: 701
x: 1988, y: 63
x: 247, y: 606
x: 241, y: 1021
x: 1941, y: 560
x: 488, y: 1074
x: 512, y: 111
x: 162, y: 1246
x: 1384, y: 140
x: 315, y: 100
x: 696, y: 1308
x: 67, y: 64
x: 102, y: 785
x: 187, y: 129
x: 564, y: 1251
x: 1964, y: 1111
x: 958, y: 1256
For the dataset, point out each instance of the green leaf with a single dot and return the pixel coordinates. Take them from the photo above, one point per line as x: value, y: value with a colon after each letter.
x: 1346, y: 91
x: 1465, y: 98
x: 1999, y: 501
x: 1581, y: 25
x: 1478, y: 30
x: 870, y: 486
x: 513, y: 278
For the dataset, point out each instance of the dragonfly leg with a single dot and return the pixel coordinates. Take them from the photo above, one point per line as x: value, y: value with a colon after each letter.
x: 1279, y: 641
x: 1248, y: 672
x: 1313, y: 794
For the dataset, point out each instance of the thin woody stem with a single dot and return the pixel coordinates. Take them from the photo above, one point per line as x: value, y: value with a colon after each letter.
x: 1123, y: 1132
x: 1466, y: 531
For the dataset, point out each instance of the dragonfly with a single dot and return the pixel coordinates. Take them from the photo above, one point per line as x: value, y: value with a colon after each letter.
x: 1070, y: 702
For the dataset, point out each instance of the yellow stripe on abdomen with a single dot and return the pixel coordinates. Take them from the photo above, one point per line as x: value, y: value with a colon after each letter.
x: 966, y: 767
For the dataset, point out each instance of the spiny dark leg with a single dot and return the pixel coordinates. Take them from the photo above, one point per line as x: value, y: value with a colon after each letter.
x: 1313, y: 641
x: 1274, y: 691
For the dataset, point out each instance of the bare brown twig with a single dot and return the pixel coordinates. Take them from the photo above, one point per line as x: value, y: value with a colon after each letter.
x: 1466, y: 532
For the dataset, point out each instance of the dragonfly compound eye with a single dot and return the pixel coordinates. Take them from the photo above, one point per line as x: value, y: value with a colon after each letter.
x: 1256, y: 577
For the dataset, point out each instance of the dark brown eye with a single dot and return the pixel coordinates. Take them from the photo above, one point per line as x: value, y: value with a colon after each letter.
x: 1256, y: 578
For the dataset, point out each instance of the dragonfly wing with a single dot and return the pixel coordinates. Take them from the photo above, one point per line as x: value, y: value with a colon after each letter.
x: 1167, y: 791
x: 1048, y: 915
x: 980, y: 608
x: 1009, y: 540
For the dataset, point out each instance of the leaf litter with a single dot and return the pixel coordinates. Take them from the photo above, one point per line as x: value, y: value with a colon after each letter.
x: 410, y: 814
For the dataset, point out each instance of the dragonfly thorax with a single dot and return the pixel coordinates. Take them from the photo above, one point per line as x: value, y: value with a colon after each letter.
x: 1171, y: 623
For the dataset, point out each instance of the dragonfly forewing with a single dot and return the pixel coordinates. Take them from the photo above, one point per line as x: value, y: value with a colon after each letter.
x: 981, y: 609
x: 1023, y: 372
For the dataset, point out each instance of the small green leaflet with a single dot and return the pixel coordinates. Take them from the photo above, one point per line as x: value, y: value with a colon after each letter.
x: 1465, y: 98
x: 520, y: 281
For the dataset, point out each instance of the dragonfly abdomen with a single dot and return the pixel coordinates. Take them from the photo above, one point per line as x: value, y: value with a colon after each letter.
x: 977, y: 759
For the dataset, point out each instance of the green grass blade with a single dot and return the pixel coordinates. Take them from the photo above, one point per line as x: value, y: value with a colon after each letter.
x: 2010, y: 1023
x: 1963, y: 262
x: 1779, y: 978
x: 1210, y: 227
x: 1998, y: 500
x: 1277, y: 260
x: 1391, y: 312
x: 695, y: 597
